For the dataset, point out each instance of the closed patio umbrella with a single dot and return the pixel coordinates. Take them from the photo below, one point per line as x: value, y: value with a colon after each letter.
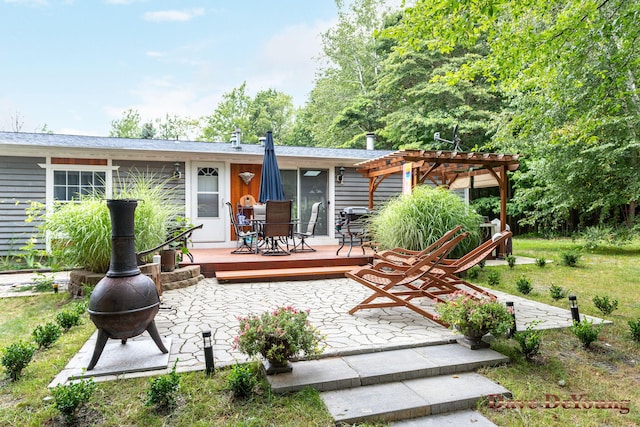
x: 270, y: 181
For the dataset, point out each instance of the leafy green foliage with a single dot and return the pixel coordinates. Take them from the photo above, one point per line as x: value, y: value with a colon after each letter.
x: 163, y: 390
x: 474, y: 272
x: 558, y: 292
x: 82, y: 231
x: 417, y: 220
x: 524, y: 285
x: 634, y: 327
x: 511, y: 261
x: 278, y: 335
x: 16, y: 357
x: 467, y: 313
x: 586, y: 331
x: 68, y: 318
x: 570, y: 258
x: 69, y: 397
x: 541, y: 262
x: 46, y: 335
x: 43, y: 283
x: 242, y: 380
x: 493, y: 279
x: 529, y: 340
x: 605, y: 304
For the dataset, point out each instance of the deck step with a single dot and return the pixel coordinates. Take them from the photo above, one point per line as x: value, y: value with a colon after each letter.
x: 408, y: 399
x: 357, y: 370
x: 298, y: 273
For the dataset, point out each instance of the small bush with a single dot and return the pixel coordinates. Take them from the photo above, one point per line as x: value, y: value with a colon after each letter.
x: 529, y: 340
x: 43, y: 283
x: 242, y: 380
x: 68, y: 398
x: 163, y: 390
x: 473, y: 273
x: 571, y: 258
x: 586, y: 332
x: 634, y: 326
x: 605, y: 304
x: 524, y: 285
x: 558, y: 292
x: 541, y: 262
x: 80, y: 307
x: 511, y: 260
x: 493, y: 279
x: 16, y: 357
x: 46, y: 335
x: 68, y: 319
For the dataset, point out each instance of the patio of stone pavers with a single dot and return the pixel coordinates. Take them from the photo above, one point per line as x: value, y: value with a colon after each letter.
x: 186, y: 313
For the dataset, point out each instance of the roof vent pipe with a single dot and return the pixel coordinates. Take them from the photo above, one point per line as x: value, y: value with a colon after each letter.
x: 371, y: 140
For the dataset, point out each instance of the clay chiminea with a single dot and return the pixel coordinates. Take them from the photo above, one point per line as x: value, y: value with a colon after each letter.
x: 124, y: 303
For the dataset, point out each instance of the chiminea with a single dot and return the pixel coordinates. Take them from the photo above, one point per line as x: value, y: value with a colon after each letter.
x: 124, y: 303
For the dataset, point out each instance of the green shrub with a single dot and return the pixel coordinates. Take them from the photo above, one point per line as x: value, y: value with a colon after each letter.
x: 415, y: 221
x: 163, y: 390
x: 80, y: 307
x: 586, y: 331
x: 474, y: 272
x: 558, y: 292
x: 634, y: 326
x: 242, y: 380
x: 68, y: 398
x: 16, y: 357
x: 529, y: 340
x: 511, y: 261
x: 67, y: 319
x: 605, y: 304
x: 524, y: 285
x: 493, y: 278
x: 43, y: 283
x: 541, y: 262
x: 46, y: 335
x: 570, y: 258
x: 81, y: 232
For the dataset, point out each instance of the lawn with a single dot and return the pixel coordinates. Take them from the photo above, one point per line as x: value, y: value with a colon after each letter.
x: 607, y: 372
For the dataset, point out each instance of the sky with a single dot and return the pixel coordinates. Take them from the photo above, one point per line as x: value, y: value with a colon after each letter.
x: 77, y: 65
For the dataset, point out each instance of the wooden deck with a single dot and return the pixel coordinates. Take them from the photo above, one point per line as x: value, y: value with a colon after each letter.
x: 322, y: 264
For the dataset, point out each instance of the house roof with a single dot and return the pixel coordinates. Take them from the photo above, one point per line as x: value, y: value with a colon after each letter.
x: 58, y: 141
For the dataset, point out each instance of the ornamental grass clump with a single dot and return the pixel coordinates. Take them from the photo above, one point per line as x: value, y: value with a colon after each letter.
x: 417, y: 220
x: 279, y: 335
x: 473, y: 316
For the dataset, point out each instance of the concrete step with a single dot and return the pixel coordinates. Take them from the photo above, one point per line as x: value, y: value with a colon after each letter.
x: 409, y: 399
x: 465, y: 418
x: 278, y: 274
x: 335, y: 373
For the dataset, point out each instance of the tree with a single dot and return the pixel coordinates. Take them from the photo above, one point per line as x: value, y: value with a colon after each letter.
x: 174, y: 127
x: 270, y: 110
x: 231, y: 113
x: 570, y: 69
x: 128, y: 126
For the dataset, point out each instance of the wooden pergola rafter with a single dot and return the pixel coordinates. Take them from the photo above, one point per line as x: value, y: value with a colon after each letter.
x: 445, y: 168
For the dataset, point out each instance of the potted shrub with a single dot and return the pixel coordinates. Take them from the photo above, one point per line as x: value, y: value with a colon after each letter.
x: 278, y: 336
x: 475, y: 317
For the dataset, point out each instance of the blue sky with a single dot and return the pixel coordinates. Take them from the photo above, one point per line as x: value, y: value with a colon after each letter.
x: 76, y: 65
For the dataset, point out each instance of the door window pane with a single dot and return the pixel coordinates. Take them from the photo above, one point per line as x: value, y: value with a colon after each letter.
x: 208, y: 205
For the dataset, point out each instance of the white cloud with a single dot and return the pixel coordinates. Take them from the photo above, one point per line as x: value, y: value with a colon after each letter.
x: 173, y: 15
x: 288, y: 61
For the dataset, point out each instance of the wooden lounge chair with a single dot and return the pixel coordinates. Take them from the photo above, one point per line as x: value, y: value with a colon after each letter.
x: 399, y: 288
x: 408, y: 257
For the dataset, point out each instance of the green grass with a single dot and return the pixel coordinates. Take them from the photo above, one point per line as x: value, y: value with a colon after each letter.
x: 607, y: 371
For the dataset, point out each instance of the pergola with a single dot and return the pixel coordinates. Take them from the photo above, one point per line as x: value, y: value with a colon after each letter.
x: 451, y: 169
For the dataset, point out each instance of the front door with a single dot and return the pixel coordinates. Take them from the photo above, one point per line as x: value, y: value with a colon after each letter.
x: 208, y: 204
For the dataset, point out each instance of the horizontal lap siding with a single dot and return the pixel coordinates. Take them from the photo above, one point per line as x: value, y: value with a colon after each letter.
x: 354, y: 191
x: 21, y: 182
x: 157, y: 171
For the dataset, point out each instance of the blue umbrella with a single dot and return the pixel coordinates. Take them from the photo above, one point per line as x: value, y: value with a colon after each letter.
x: 270, y: 181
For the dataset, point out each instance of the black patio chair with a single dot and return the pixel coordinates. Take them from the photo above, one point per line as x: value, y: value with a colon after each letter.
x: 302, y: 245
x: 247, y: 241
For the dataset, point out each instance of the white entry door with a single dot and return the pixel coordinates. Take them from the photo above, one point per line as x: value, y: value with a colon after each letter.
x: 208, y: 202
